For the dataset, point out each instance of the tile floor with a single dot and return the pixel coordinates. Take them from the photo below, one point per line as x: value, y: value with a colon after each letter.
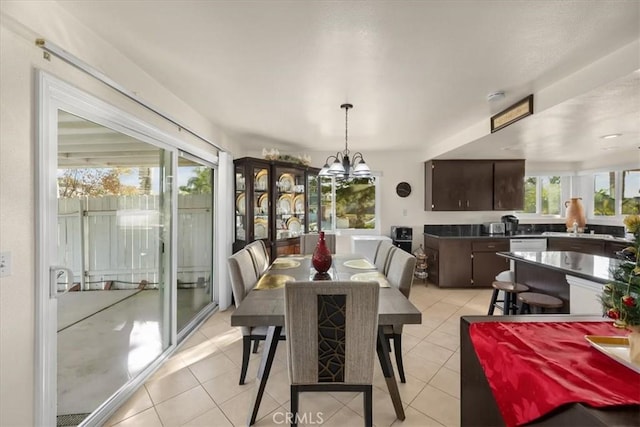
x: 198, y: 386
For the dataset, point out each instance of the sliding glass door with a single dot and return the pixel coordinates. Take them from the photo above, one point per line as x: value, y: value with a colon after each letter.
x: 114, y: 249
x: 194, y: 239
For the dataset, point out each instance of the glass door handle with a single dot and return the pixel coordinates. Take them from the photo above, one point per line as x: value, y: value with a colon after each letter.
x: 53, y: 280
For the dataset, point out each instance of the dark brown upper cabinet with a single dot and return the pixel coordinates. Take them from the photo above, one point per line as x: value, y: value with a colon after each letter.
x: 508, y: 185
x: 474, y: 185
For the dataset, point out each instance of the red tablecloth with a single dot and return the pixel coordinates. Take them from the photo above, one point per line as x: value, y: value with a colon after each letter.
x: 535, y: 367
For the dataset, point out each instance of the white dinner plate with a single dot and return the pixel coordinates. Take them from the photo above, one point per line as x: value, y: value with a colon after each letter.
x: 362, y: 264
x: 375, y: 276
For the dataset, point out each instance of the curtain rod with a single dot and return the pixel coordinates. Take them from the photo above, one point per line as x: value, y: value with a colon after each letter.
x: 83, y: 66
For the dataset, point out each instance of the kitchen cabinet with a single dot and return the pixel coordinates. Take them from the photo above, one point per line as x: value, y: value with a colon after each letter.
x: 432, y: 265
x: 610, y: 248
x: 576, y: 244
x: 485, y: 263
x: 459, y: 185
x: 274, y: 202
x: 508, y: 184
x: 461, y: 263
x: 474, y: 185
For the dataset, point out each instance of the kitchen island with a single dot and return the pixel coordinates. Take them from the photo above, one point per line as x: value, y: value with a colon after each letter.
x: 576, y: 278
x: 463, y: 256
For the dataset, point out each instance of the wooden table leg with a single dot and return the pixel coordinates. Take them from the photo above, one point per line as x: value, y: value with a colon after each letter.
x: 268, y: 354
x: 387, y: 369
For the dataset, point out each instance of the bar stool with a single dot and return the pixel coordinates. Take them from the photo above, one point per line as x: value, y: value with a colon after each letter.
x: 511, y: 290
x: 535, y: 299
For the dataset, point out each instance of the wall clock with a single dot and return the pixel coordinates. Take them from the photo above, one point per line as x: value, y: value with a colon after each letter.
x: 403, y: 189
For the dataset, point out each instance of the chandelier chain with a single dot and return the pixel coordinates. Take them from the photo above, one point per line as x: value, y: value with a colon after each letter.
x: 346, y: 127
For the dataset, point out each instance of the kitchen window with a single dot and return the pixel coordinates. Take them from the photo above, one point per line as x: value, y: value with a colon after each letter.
x: 542, y: 195
x: 616, y: 193
x: 350, y: 204
x: 604, y: 194
x: 631, y: 192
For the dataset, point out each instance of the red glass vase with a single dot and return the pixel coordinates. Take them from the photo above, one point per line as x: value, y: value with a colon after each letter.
x: 321, y: 258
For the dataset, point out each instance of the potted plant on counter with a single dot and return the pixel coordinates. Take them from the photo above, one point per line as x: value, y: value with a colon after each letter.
x: 621, y: 298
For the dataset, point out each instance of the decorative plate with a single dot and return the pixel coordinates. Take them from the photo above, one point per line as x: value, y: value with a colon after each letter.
x: 362, y: 264
x: 285, y: 203
x: 240, y: 203
x: 287, y: 182
x: 298, y: 203
x: 273, y: 281
x: 616, y: 348
x: 263, y: 203
x: 375, y: 276
x: 294, y: 226
x: 261, y: 230
x: 262, y: 180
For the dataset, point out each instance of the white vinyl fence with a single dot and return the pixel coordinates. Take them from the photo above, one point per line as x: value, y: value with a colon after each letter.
x: 119, y: 239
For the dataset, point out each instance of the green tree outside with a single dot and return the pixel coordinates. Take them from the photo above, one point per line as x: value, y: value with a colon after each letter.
x: 200, y: 183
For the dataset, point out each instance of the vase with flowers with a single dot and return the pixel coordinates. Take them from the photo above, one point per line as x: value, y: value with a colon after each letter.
x: 621, y: 297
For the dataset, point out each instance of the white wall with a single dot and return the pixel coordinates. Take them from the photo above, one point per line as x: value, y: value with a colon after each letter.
x: 21, y: 23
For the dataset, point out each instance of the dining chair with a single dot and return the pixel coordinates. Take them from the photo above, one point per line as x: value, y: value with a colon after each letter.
x: 243, y: 280
x: 260, y: 256
x: 309, y: 241
x: 381, y: 259
x: 331, y: 338
x: 400, y: 275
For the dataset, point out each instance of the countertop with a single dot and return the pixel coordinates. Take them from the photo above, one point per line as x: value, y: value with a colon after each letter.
x: 473, y: 235
x: 525, y: 231
x: 590, y: 267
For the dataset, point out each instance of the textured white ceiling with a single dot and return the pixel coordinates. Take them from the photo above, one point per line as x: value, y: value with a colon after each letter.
x: 274, y: 73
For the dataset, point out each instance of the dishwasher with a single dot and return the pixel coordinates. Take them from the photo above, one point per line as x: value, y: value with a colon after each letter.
x: 527, y: 245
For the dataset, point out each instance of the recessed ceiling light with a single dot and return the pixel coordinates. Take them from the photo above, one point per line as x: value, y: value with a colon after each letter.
x: 611, y: 135
x: 613, y: 147
x: 495, y: 96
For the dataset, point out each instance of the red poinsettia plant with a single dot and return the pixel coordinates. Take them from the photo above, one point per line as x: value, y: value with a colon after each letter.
x: 621, y: 297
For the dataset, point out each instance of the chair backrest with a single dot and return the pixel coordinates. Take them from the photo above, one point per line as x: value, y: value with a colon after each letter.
x: 308, y: 242
x: 258, y: 252
x: 381, y: 259
x: 243, y: 274
x: 401, y: 268
x: 331, y: 331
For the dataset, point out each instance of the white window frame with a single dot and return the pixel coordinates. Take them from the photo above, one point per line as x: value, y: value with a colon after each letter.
x: 565, y: 193
x: 618, y: 183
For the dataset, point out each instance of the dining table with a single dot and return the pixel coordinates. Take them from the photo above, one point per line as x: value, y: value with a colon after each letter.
x: 264, y: 306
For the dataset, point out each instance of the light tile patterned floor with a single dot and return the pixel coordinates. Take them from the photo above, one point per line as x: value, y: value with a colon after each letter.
x: 198, y: 386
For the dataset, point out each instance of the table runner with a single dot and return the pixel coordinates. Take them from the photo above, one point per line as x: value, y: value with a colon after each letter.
x: 533, y: 368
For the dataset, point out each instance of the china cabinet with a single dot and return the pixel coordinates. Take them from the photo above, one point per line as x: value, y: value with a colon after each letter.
x: 276, y: 202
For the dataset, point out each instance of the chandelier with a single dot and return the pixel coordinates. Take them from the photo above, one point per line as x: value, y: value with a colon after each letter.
x: 342, y: 165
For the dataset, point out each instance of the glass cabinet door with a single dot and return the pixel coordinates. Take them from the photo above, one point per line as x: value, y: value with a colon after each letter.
x: 313, y: 202
x: 290, y: 203
x: 261, y: 203
x: 241, y: 205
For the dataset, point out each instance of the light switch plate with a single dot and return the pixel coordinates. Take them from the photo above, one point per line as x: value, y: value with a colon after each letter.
x: 5, y: 264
